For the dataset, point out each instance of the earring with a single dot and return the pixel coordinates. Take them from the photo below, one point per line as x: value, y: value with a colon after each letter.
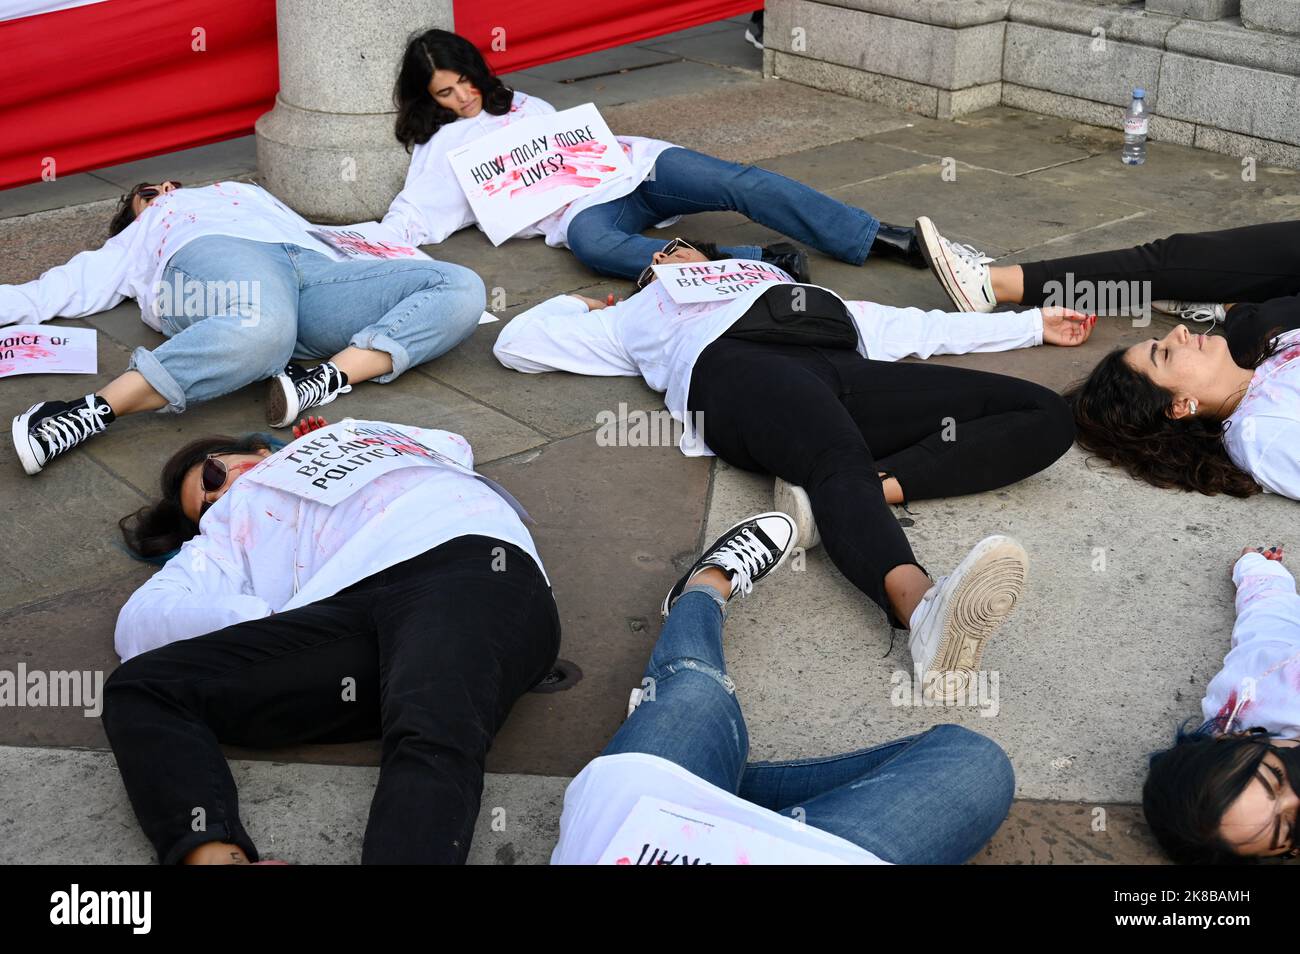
x: 1193, y: 406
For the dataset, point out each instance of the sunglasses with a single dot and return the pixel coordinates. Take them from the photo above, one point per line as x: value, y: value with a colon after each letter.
x: 648, y: 273
x: 212, y: 477
x: 149, y: 193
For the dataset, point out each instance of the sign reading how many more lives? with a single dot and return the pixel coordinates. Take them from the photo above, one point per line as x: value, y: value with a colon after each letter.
x: 520, y: 174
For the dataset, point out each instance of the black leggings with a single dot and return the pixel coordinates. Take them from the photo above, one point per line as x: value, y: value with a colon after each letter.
x: 436, y: 650
x: 1257, y: 267
x: 830, y: 421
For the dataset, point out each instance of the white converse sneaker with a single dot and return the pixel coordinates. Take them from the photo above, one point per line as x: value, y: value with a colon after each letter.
x: 1191, y: 310
x: 792, y: 500
x: 296, y: 390
x: 50, y: 428
x: 961, y: 611
x: 962, y: 271
x: 748, y: 552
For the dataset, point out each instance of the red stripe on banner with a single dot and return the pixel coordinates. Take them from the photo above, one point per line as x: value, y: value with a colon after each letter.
x: 120, y: 80
x: 515, y: 36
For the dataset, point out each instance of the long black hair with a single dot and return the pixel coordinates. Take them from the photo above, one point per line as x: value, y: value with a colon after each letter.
x: 156, y: 531
x: 418, y: 115
x: 1121, y: 415
x: 1193, y: 782
x: 124, y: 215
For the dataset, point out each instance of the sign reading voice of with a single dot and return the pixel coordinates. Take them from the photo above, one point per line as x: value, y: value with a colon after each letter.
x: 358, y: 242
x: 694, y: 282
x: 32, y: 349
x: 520, y: 174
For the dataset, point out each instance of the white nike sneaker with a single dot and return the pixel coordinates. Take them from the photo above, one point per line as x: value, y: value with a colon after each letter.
x: 792, y: 500
x: 1191, y: 310
x: 962, y: 271
x: 956, y: 617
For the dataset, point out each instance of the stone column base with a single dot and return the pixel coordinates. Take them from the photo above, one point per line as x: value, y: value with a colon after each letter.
x: 321, y: 164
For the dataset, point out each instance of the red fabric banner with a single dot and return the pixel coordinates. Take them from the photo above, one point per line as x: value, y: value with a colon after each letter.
x: 109, y: 82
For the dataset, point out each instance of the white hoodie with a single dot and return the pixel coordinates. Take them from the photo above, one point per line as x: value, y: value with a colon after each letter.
x: 650, y: 335
x: 130, y: 263
x: 431, y: 205
x: 1260, y: 679
x: 1262, y: 436
x: 262, y: 550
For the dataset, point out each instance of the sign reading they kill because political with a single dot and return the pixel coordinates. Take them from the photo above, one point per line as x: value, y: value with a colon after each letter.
x: 330, y: 464
x: 524, y: 171
x: 689, y: 283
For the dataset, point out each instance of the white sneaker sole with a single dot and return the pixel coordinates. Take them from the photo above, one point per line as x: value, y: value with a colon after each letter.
x: 281, y: 401
x: 23, y: 444
x: 792, y: 500
x: 940, y: 263
x: 988, y: 586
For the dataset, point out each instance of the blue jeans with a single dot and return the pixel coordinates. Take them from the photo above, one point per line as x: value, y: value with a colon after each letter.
x: 933, y: 798
x: 236, y: 311
x: 607, y: 237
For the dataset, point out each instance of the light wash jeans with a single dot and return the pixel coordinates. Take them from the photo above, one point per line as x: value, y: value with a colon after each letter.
x: 607, y: 237
x: 307, y: 306
x: 933, y: 798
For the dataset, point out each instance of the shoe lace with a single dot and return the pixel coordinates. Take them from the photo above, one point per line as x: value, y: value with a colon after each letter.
x: 744, y: 556
x: 969, y: 253
x: 69, y: 428
x: 319, y: 387
x: 1198, y: 312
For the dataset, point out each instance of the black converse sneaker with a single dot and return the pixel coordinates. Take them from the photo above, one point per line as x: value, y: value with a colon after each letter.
x: 48, y: 429
x: 748, y: 551
x: 297, y: 390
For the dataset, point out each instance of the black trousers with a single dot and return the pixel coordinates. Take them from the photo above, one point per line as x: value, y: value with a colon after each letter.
x: 428, y: 655
x: 1257, y: 267
x: 829, y: 420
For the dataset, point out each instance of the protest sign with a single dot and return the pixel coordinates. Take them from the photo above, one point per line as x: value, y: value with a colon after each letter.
x: 330, y: 464
x: 520, y: 174
x: 354, y: 243
x: 690, y: 283
x: 659, y: 832
x: 32, y: 349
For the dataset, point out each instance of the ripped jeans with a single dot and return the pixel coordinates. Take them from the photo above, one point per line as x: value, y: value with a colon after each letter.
x: 932, y: 798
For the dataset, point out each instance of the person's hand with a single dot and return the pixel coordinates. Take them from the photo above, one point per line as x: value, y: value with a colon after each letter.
x: 308, y: 424
x: 1268, y: 553
x: 593, y: 303
x: 1066, y: 327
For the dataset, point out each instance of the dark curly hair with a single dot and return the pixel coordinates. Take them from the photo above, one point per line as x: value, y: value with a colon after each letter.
x: 418, y: 115
x: 1122, y: 416
x: 156, y: 531
x: 124, y: 214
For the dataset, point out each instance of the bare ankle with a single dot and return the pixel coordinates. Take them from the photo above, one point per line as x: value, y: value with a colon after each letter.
x: 217, y: 853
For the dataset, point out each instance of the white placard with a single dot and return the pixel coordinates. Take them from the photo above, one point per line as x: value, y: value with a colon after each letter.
x: 690, y: 283
x: 35, y: 349
x: 659, y: 832
x: 356, y: 242
x: 330, y: 464
x: 522, y: 172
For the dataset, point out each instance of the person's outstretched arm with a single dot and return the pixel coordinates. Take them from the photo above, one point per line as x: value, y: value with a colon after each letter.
x: 90, y: 282
x: 564, y: 334
x: 200, y: 590
x: 889, y: 333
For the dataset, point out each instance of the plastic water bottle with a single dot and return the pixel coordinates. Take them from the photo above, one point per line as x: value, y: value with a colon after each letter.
x: 1135, y: 130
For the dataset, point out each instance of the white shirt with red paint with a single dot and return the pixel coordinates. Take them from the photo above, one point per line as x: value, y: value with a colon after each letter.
x: 605, y: 793
x: 1260, y: 679
x: 431, y: 205
x: 261, y: 550
x: 652, y: 336
x: 130, y: 264
x: 1262, y: 436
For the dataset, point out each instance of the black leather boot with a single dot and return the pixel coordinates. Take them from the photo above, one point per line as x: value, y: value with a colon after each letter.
x: 790, y: 257
x: 900, y: 242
